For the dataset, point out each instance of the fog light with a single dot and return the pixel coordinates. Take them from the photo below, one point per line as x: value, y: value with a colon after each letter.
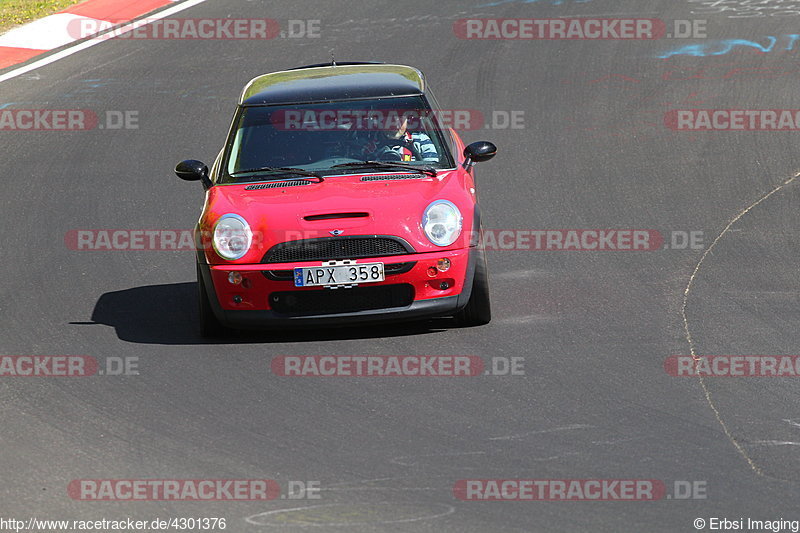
x: 234, y: 278
x: 432, y: 271
x: 237, y: 299
x: 443, y: 264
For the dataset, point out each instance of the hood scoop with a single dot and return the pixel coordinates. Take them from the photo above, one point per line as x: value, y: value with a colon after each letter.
x: 394, y: 177
x: 331, y: 216
x: 277, y: 184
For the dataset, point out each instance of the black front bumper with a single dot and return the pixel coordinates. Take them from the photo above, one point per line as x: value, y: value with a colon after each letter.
x: 269, y: 319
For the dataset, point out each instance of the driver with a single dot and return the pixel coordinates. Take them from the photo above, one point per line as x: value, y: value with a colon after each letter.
x: 403, y: 145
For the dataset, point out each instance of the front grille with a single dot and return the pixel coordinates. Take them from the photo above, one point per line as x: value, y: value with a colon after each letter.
x: 329, y: 216
x: 388, y: 269
x: 326, y: 301
x: 330, y: 248
x: 398, y: 268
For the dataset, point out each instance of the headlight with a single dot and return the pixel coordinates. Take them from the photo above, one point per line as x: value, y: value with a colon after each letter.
x: 232, y: 237
x: 442, y: 223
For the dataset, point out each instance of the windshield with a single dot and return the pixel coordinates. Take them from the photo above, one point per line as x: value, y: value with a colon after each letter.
x: 323, y: 138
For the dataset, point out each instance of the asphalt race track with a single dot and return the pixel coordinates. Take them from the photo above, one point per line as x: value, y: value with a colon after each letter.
x: 594, y: 327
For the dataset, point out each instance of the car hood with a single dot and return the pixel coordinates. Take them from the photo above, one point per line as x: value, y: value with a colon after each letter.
x: 373, y: 204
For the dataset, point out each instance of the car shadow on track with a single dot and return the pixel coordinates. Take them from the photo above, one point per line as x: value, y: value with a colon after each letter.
x: 167, y: 314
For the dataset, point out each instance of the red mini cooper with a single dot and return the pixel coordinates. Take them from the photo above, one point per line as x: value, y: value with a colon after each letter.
x: 339, y: 198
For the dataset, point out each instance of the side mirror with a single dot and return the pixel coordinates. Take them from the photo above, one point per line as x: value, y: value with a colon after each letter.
x: 479, y: 152
x: 192, y: 170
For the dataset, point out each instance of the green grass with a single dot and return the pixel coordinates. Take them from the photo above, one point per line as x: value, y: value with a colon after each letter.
x: 15, y: 12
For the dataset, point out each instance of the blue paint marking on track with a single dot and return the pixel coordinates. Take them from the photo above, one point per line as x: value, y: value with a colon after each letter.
x: 551, y: 2
x: 725, y: 46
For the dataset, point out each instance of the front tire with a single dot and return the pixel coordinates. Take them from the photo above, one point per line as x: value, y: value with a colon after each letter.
x: 478, y: 311
x: 210, y: 326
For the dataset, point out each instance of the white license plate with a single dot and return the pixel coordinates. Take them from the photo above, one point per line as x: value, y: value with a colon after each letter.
x: 336, y: 273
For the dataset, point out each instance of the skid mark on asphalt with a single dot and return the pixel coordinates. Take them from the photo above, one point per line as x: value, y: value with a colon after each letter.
x: 552, y: 457
x: 551, y: 2
x: 522, y: 274
x: 750, y: 294
x: 615, y: 441
x: 401, y: 460
x: 379, y: 484
x: 791, y: 422
x: 346, y: 515
x: 383, y: 489
x: 570, y: 427
x: 526, y: 319
x: 693, y: 352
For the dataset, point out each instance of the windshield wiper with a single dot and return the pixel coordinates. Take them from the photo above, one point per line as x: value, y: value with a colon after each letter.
x: 285, y: 170
x: 388, y: 164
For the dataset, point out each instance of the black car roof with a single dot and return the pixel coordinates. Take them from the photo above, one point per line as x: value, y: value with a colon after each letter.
x: 330, y: 83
